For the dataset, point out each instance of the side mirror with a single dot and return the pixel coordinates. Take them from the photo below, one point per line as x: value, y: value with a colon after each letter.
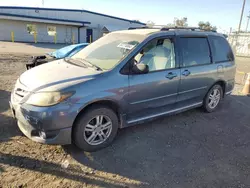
x: 140, y: 68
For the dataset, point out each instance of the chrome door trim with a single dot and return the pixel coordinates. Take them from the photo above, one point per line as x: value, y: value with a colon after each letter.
x: 193, y: 90
x: 164, y: 113
x: 155, y: 98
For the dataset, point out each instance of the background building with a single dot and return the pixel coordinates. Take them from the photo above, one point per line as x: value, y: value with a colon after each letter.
x: 240, y: 43
x: 30, y: 24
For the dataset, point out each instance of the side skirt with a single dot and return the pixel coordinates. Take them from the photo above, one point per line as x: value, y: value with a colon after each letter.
x: 154, y: 116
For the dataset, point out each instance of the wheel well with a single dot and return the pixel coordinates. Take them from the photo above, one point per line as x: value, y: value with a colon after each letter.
x: 222, y: 84
x: 112, y: 105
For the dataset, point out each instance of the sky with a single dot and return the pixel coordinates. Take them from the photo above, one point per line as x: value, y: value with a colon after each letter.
x: 221, y: 13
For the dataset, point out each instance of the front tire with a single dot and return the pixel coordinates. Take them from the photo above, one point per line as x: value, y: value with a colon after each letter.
x: 95, y: 129
x: 213, y: 98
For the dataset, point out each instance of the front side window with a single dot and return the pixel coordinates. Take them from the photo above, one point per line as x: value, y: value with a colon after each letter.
x: 195, y: 51
x: 158, y: 54
x: 107, y: 51
x: 220, y: 49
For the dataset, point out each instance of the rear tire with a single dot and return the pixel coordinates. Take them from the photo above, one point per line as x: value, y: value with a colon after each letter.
x: 213, y: 98
x: 95, y: 129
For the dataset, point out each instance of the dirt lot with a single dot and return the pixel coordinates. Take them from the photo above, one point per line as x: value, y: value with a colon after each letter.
x: 192, y: 149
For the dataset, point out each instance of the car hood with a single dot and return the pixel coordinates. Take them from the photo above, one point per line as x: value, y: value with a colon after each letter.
x: 55, y: 73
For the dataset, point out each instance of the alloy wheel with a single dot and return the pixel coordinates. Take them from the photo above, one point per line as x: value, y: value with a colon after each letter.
x: 214, y: 98
x: 98, y: 130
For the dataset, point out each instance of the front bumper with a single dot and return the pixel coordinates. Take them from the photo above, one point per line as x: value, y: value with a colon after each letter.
x: 49, y: 125
x: 60, y: 137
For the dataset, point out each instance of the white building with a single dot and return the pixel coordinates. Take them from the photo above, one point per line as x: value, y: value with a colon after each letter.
x: 30, y: 24
x: 240, y: 43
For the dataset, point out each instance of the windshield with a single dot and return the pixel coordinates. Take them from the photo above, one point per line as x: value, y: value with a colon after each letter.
x: 107, y: 51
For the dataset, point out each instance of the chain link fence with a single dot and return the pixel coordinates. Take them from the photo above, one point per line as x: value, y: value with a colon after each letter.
x: 240, y: 44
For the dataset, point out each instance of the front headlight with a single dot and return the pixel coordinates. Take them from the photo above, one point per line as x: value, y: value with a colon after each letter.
x: 48, y: 98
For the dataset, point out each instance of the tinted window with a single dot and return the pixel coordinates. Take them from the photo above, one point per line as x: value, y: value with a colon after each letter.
x: 195, y: 51
x: 221, y: 49
x: 158, y: 54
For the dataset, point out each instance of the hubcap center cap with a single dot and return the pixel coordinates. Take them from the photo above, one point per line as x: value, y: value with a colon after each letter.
x: 98, y: 129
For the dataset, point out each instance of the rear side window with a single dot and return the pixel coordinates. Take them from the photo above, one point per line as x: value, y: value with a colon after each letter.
x: 195, y: 51
x: 220, y: 49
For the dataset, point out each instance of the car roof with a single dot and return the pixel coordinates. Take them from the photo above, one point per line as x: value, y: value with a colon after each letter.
x: 138, y: 31
x: 176, y: 31
x: 196, y: 33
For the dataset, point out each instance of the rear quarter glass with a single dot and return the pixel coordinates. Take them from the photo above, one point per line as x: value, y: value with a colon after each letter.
x: 221, y: 49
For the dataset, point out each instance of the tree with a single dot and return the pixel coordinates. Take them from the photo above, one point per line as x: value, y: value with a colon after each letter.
x: 178, y: 23
x: 181, y: 22
x: 150, y: 23
x: 207, y: 26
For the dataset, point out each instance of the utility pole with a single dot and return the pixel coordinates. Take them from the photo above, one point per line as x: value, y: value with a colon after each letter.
x: 242, y: 11
x: 248, y: 17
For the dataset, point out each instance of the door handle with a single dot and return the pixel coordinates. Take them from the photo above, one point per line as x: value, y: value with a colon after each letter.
x: 171, y: 75
x: 186, y: 72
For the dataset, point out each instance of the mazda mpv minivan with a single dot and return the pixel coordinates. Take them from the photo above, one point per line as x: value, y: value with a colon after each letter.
x: 122, y: 79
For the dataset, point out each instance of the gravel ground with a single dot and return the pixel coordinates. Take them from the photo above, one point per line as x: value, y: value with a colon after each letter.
x: 27, y: 48
x: 192, y: 149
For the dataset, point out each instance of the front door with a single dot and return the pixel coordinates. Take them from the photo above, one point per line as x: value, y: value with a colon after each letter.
x: 89, y: 35
x: 154, y: 93
x: 197, y: 70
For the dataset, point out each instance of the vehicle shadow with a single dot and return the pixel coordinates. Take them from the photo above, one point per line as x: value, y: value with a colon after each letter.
x: 56, y: 170
x: 8, y: 126
x: 186, y: 150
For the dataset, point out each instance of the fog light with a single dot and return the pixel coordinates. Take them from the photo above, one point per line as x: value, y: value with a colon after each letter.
x: 42, y: 134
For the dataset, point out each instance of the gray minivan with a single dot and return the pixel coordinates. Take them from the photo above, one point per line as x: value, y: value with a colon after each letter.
x: 122, y: 79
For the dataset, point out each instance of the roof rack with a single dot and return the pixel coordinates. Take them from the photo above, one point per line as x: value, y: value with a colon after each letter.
x: 163, y: 28
x: 147, y: 27
x: 186, y: 28
x: 144, y: 27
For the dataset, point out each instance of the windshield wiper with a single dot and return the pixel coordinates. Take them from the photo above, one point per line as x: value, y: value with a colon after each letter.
x: 75, y: 62
x: 93, y: 65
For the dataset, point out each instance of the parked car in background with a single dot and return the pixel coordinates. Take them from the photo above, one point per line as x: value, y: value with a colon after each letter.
x: 122, y: 79
x: 67, y: 51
